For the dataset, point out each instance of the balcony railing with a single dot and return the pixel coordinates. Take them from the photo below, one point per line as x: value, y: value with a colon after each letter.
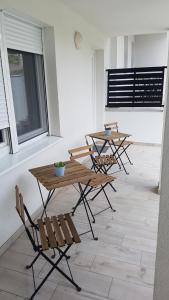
x: 135, y: 87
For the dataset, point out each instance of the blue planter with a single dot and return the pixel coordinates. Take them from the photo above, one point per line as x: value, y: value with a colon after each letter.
x: 108, y: 131
x: 59, y: 171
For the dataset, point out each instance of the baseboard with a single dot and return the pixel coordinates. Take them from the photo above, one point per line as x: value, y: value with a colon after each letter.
x: 147, y: 144
x: 17, y: 234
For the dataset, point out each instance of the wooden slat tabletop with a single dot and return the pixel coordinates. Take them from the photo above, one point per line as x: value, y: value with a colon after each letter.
x: 74, y: 173
x: 114, y: 135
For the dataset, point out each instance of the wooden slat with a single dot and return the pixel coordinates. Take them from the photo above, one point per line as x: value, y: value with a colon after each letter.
x: 68, y: 182
x: 20, y: 204
x: 157, y: 104
x: 136, y: 99
x: 134, y: 93
x: 65, y: 230
x: 140, y: 70
x: 17, y: 199
x: 22, y: 208
x: 42, y: 233
x: 114, y: 135
x: 137, y: 76
x: 111, y: 124
x: 51, y: 236
x: 58, y: 233
x: 100, y: 179
x: 82, y: 155
x: 68, y: 177
x: 73, y: 230
x: 131, y: 82
x: 137, y: 88
x: 74, y: 150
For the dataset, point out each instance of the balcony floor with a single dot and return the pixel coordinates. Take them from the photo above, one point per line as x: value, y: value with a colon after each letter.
x: 120, y: 265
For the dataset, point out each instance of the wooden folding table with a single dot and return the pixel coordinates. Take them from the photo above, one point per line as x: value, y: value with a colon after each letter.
x: 74, y: 173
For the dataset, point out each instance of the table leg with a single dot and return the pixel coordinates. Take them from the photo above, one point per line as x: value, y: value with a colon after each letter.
x: 50, y: 194
x: 99, y: 152
x: 117, y: 151
x: 82, y: 199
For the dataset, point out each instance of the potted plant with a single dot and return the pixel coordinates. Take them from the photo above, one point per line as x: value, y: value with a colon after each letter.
x: 108, y: 131
x: 59, y: 168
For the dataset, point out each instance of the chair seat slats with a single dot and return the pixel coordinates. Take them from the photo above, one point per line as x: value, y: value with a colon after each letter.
x: 51, y: 236
x: 105, y: 160
x: 42, y: 233
x: 65, y: 230
x: 58, y: 233
x: 73, y: 230
x: 99, y: 180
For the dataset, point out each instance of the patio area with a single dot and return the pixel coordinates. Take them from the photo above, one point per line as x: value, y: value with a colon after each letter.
x: 120, y: 265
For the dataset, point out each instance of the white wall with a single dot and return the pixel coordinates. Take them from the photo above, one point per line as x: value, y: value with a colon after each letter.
x: 99, y: 89
x: 120, y: 52
x: 161, y: 289
x: 145, y: 126
x: 131, y: 39
x: 74, y: 76
x: 150, y: 50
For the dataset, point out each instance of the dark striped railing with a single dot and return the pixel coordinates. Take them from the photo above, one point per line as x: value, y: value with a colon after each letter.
x: 135, y: 87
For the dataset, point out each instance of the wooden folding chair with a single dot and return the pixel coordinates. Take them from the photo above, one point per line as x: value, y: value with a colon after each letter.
x: 125, y: 145
x: 51, y: 233
x: 99, y: 183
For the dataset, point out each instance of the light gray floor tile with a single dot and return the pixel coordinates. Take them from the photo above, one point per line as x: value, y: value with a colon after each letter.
x: 90, y: 282
x: 71, y: 294
x: 123, y: 270
x: 17, y: 261
x: 148, y: 259
x: 9, y: 296
x: 121, y: 290
x: 140, y: 244
x: 22, y: 285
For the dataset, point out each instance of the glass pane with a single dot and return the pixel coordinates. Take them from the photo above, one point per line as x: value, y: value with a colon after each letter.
x: 26, y: 70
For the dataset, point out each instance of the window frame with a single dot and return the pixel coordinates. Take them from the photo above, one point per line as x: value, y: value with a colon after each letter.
x: 4, y: 145
x: 15, y: 145
x: 43, y: 111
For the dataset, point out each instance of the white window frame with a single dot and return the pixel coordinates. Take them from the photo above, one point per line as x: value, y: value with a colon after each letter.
x: 4, y: 147
x: 15, y: 146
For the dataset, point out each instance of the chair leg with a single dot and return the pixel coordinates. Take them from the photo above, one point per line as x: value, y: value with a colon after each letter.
x: 108, y: 200
x: 128, y: 156
x: 32, y: 263
x: 95, y: 238
x: 112, y: 187
x: 90, y: 210
x: 54, y: 266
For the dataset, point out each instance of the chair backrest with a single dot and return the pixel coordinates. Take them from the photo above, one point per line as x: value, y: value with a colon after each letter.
x: 20, y: 204
x: 113, y: 126
x: 80, y: 152
x: 22, y: 211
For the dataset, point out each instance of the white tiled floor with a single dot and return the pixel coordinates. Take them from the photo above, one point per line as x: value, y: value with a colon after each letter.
x: 120, y: 265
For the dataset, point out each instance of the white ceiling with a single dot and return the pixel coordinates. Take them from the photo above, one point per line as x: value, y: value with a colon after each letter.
x: 120, y: 17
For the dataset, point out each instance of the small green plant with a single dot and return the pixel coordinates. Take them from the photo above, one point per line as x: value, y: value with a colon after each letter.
x: 59, y: 164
